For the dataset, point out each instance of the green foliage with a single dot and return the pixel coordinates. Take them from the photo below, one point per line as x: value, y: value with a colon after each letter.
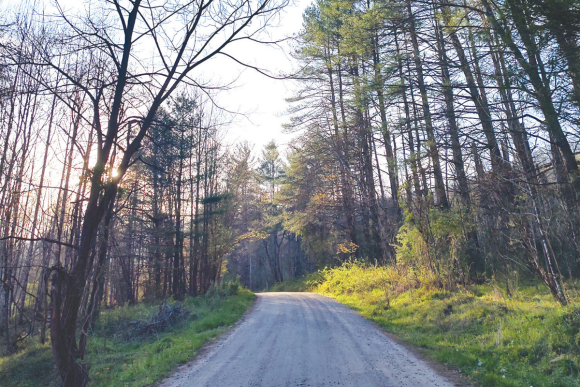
x: 221, y: 289
x: 434, y: 242
x: 310, y: 207
x: 305, y: 283
x: 116, y: 361
x: 526, y: 340
x: 272, y: 167
x: 411, y: 248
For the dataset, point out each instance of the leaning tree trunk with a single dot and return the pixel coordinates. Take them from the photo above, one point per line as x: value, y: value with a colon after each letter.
x: 433, y: 150
x: 542, y: 90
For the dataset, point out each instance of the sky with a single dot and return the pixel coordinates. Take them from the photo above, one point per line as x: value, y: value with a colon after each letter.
x: 259, y: 100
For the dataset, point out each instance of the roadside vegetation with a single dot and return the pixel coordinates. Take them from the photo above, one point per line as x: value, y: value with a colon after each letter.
x: 137, y: 345
x: 526, y: 339
x: 436, y: 142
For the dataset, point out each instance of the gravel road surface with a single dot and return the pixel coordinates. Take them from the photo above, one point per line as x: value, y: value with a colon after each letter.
x: 305, y: 339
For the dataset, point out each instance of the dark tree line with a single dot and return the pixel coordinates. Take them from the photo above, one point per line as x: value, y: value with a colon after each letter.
x: 441, y: 136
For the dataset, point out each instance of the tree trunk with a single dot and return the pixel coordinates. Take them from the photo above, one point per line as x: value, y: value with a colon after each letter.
x: 542, y: 90
x: 432, y: 144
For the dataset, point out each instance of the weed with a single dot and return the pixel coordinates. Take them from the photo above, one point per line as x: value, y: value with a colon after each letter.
x: 303, y: 284
x: 117, y: 359
x: 497, y: 341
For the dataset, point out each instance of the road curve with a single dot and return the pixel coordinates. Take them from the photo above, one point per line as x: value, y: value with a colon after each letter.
x: 305, y: 339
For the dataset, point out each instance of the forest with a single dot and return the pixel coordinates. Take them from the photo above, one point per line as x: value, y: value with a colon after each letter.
x: 438, y: 138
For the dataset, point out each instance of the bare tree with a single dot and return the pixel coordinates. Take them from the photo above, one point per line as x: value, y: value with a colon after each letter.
x: 143, y: 52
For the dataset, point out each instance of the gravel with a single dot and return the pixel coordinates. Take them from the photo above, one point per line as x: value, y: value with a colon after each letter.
x: 305, y: 339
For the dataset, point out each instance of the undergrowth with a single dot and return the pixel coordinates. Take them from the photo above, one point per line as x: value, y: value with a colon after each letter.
x: 120, y: 356
x: 527, y: 339
x: 302, y: 284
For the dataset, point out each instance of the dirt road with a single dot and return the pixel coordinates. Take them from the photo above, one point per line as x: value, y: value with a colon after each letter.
x: 304, y: 339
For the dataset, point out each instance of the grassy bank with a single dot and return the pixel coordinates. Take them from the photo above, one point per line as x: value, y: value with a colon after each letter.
x: 122, y: 353
x: 523, y: 340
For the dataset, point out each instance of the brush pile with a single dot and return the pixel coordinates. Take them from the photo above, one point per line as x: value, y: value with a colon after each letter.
x: 166, y: 316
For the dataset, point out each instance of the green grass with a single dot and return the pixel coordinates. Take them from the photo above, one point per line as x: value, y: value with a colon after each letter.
x: 118, y: 360
x: 301, y: 284
x: 524, y: 340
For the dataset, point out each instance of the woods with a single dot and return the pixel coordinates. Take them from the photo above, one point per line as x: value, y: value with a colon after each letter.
x: 80, y: 71
x: 450, y: 136
x: 436, y: 138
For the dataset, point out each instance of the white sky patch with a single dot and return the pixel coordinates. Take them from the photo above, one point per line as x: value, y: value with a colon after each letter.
x: 259, y: 98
